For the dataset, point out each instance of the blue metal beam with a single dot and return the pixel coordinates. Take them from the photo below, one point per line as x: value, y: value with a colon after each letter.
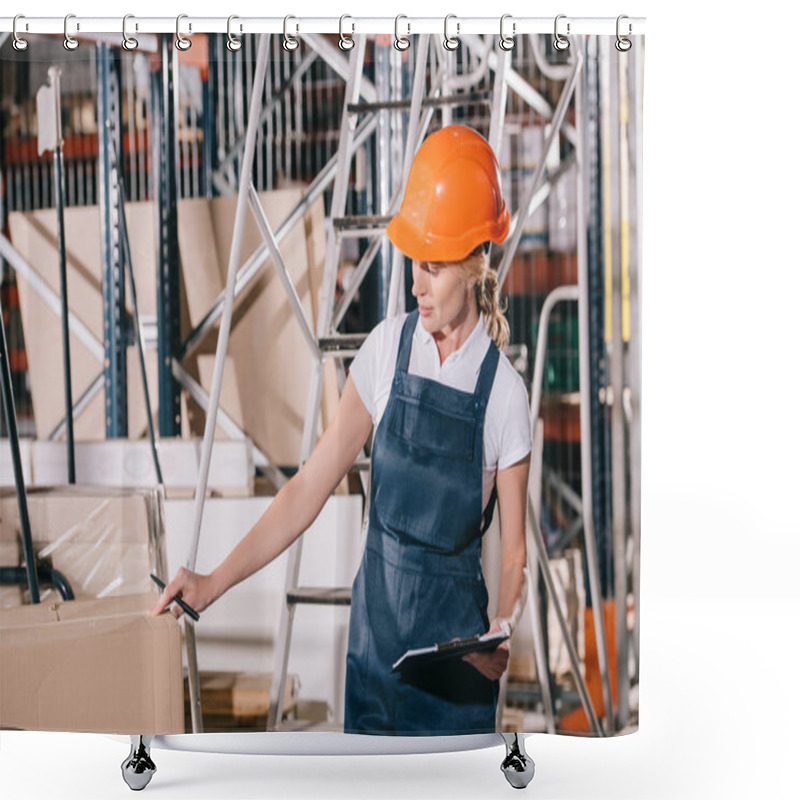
x: 114, y: 317
x: 166, y: 199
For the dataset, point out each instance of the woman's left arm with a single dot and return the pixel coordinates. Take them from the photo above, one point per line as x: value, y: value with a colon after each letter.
x: 512, y: 498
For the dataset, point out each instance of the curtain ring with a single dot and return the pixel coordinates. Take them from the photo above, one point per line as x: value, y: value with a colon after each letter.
x: 346, y: 42
x: 401, y: 42
x: 70, y: 43
x: 233, y: 44
x: 451, y: 42
x: 18, y: 43
x: 623, y: 44
x: 128, y: 42
x: 560, y: 42
x: 507, y: 42
x: 289, y: 42
x: 181, y: 42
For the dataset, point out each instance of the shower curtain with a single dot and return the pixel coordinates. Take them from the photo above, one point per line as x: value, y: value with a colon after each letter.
x: 155, y: 421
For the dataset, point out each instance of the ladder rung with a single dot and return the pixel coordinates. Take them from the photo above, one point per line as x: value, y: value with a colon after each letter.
x: 320, y: 596
x: 463, y: 98
x: 342, y: 341
x: 361, y: 465
x: 354, y: 227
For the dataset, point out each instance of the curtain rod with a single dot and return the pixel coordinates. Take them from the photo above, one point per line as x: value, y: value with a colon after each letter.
x: 407, y: 25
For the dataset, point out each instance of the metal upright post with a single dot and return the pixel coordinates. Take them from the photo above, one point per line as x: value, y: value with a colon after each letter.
x: 165, y: 190
x: 499, y: 98
x: 635, y: 353
x: 620, y: 337
x: 19, y: 480
x: 209, y: 120
x: 114, y: 315
x: 586, y: 400
x: 58, y: 196
x: 49, y: 136
x: 382, y: 174
x: 225, y: 325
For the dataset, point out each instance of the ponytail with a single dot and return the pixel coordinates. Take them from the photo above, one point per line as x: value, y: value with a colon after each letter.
x: 487, y: 294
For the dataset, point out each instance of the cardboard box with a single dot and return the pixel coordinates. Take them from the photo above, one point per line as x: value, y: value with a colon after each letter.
x: 99, y: 666
x: 239, y: 698
x: 105, y: 541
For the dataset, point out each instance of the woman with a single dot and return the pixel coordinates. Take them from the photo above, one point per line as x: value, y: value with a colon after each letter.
x: 452, y: 436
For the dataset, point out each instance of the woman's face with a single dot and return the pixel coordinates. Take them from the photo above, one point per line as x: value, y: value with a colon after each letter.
x: 442, y: 294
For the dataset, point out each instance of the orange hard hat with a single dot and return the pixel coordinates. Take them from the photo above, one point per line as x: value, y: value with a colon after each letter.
x: 453, y: 200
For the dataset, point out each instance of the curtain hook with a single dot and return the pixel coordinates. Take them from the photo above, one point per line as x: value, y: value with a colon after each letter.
x: 560, y: 42
x: 289, y: 42
x: 451, y: 42
x: 70, y: 43
x: 128, y: 42
x: 346, y: 42
x: 623, y: 44
x: 401, y: 42
x: 19, y: 43
x: 507, y: 42
x: 233, y: 44
x: 181, y: 42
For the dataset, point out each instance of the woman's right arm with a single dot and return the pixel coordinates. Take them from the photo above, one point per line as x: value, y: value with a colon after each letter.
x: 294, y: 508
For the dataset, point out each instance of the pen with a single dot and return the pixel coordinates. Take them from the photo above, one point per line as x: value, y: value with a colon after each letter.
x: 185, y: 606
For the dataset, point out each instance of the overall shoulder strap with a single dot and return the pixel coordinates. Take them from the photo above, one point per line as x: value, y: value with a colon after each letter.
x: 404, y: 350
x: 488, y: 369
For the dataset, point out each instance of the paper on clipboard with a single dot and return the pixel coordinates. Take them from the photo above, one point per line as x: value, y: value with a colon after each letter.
x: 454, y: 648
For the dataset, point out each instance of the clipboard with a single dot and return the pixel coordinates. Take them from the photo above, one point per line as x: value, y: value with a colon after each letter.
x: 455, y: 648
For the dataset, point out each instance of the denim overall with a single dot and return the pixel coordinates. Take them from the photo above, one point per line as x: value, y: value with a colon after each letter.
x: 420, y: 579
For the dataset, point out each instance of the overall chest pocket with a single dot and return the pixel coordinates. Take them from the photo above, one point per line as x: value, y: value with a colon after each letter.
x: 432, y: 429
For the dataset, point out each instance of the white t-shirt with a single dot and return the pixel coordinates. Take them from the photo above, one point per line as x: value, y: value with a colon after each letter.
x: 507, y: 425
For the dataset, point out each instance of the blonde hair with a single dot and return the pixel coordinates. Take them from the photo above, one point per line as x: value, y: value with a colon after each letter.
x: 475, y: 269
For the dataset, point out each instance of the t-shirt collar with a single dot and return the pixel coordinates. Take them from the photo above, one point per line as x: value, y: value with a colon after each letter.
x: 477, y: 334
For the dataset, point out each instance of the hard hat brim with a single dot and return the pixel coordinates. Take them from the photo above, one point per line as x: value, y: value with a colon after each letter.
x: 429, y: 247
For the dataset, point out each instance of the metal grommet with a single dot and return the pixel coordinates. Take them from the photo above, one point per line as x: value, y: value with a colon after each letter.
x: 560, y: 42
x: 128, y: 42
x: 70, y: 43
x: 623, y: 44
x: 346, y: 42
x: 451, y: 42
x: 181, y: 42
x: 18, y: 43
x: 233, y: 44
x: 289, y: 42
x: 401, y: 42
x: 507, y: 42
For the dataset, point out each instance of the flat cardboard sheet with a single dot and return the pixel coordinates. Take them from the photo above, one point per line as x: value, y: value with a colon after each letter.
x: 267, y: 371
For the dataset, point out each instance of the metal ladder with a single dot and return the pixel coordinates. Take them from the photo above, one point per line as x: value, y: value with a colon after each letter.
x: 421, y: 110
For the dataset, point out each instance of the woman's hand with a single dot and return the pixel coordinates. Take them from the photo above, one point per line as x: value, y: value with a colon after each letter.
x: 491, y: 664
x: 194, y: 589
